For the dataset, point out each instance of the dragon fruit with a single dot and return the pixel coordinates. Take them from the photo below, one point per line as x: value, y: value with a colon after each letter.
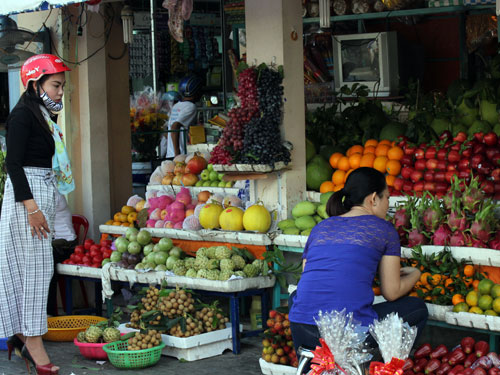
x: 481, y: 227
x: 458, y: 239
x: 477, y: 243
x: 433, y: 214
x: 441, y: 236
x: 473, y: 196
x: 401, y: 219
x: 457, y: 221
x: 416, y: 235
x: 494, y: 244
x: 453, y: 195
x: 415, y: 238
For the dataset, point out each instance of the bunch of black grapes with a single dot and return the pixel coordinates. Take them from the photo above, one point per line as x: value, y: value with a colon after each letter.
x: 262, y: 143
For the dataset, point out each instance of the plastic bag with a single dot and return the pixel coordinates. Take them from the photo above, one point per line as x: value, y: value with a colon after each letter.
x: 156, y: 177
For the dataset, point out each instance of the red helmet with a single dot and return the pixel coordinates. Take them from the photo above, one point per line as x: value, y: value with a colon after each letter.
x: 36, y: 66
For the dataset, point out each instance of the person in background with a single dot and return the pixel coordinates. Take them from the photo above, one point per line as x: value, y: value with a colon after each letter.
x: 342, y: 256
x: 183, y: 114
x: 172, y: 98
x: 63, y: 243
x: 37, y: 166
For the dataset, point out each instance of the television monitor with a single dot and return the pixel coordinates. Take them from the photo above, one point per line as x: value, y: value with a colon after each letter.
x: 370, y: 59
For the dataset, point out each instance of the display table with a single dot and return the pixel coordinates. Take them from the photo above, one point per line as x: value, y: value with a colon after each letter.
x: 233, y: 289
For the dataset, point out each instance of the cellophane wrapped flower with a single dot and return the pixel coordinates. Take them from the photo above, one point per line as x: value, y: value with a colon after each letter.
x: 394, y: 337
x: 148, y: 113
x: 346, y: 340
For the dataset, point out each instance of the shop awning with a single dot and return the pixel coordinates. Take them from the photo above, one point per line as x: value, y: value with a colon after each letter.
x: 20, y: 6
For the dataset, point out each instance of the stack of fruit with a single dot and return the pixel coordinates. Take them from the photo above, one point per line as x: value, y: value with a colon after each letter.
x: 127, y: 216
x: 175, y: 312
x: 91, y: 254
x: 484, y: 298
x: 220, y: 263
x: 209, y: 177
x: 462, y: 218
x: 277, y: 343
x: 467, y: 358
x: 305, y: 216
x: 102, y: 332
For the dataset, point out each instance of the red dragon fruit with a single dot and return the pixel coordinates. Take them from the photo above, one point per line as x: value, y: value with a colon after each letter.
x: 452, y: 195
x: 473, y: 196
x: 401, y: 219
x: 441, y: 236
x: 478, y: 243
x: 416, y: 237
x: 458, y: 239
x: 433, y: 214
x: 481, y: 227
x: 457, y: 221
x: 494, y: 244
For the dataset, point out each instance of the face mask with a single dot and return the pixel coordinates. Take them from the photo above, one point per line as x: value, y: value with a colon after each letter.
x: 50, y: 104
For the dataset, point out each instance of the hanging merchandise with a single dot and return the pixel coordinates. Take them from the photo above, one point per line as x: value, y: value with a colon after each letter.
x: 179, y: 11
x: 140, y: 56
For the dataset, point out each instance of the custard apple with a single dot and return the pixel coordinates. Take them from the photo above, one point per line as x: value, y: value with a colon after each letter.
x: 240, y: 273
x: 202, y: 251
x: 203, y: 273
x: 213, y: 274
x: 189, y: 262
x: 210, y: 252
x: 212, y: 264
x: 179, y: 269
x: 201, y: 263
x: 93, y: 334
x: 191, y: 272
x: 81, y: 337
x: 238, y: 261
x: 223, y: 252
x: 226, y: 265
x: 259, y: 264
x: 225, y: 274
x: 111, y: 334
x: 250, y: 270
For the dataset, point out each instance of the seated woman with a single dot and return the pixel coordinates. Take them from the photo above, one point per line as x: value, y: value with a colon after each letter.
x: 342, y: 256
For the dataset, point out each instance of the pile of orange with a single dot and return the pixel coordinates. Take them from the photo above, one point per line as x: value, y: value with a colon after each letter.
x: 124, y: 218
x: 382, y: 155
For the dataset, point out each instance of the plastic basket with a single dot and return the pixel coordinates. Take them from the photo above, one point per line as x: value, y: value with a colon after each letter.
x: 66, y: 328
x: 120, y: 357
x: 91, y: 351
x: 3, y: 343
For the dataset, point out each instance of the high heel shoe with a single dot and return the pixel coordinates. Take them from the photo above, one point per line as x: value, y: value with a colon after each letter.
x: 40, y: 370
x: 15, y: 344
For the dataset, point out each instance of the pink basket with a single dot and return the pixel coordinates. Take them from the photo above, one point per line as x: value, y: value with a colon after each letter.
x: 93, y: 351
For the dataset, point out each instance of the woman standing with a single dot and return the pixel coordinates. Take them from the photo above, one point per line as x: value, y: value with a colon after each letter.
x: 341, y: 258
x: 37, y: 165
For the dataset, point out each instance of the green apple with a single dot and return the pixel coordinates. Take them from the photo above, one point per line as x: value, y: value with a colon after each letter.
x: 222, y: 184
x: 220, y: 176
x: 214, y: 176
x: 214, y: 184
x: 229, y: 184
x: 199, y: 183
x: 205, y: 174
x: 210, y: 167
x: 207, y: 183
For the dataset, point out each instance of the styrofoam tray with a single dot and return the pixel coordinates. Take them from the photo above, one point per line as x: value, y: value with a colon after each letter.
x: 81, y: 271
x: 196, y: 347
x: 478, y: 256
x: 263, y: 168
x: 244, y: 238
x: 274, y: 369
x: 465, y: 319
x: 290, y: 240
x: 193, y: 189
x: 436, y: 312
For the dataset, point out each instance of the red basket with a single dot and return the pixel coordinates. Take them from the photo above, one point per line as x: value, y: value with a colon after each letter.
x: 92, y: 351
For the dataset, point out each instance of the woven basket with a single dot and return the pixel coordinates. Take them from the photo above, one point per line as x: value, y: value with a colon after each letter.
x: 121, y: 357
x: 66, y: 328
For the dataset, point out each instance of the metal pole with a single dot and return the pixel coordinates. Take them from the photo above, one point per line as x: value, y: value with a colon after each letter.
x: 224, y: 56
x: 153, y: 46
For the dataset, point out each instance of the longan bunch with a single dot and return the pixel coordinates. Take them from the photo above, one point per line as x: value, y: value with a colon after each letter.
x: 144, y: 340
x: 193, y: 327
x: 177, y: 303
x: 207, y: 316
x: 149, y: 301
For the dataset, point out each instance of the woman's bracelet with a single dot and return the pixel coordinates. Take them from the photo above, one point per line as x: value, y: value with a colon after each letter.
x: 33, y: 212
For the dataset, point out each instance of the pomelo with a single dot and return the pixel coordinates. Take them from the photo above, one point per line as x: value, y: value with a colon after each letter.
x: 392, y: 130
x: 310, y: 150
x: 318, y: 170
x: 231, y: 219
x: 257, y: 218
x: 209, y: 216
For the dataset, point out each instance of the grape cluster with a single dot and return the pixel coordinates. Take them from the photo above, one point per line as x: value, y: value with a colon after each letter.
x: 231, y: 142
x: 262, y: 142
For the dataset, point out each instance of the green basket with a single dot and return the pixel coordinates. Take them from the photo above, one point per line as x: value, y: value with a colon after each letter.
x: 120, y: 357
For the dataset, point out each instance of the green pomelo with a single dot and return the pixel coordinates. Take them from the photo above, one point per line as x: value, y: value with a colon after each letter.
x: 304, y: 208
x: 467, y: 114
x: 318, y: 170
x: 496, y: 129
x: 284, y: 224
x: 457, y: 128
x: 392, y: 130
x: 305, y: 222
x: 439, y: 125
x: 292, y: 230
x: 310, y: 150
x: 488, y: 111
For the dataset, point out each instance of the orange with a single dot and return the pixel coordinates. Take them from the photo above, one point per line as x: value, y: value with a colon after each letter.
x: 382, y: 149
x: 475, y: 284
x: 109, y: 222
x: 379, y: 163
x: 338, y: 177
x: 413, y: 294
x: 131, y: 217
x: 326, y: 186
x: 469, y: 270
x: 347, y: 174
x: 385, y: 142
x: 334, y: 159
x: 448, y: 282
x: 395, y: 153
x: 457, y: 298
x: 436, y: 279
x: 354, y: 160
x: 468, y: 281
x: 354, y: 149
x: 338, y: 187
x: 423, y: 278
x: 376, y: 290
x: 389, y: 180
x: 117, y: 223
x: 393, y: 167
x: 371, y: 142
x: 367, y: 160
x: 343, y: 163
x: 369, y: 150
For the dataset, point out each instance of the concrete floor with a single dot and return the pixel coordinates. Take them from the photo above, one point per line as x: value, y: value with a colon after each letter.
x: 69, y: 359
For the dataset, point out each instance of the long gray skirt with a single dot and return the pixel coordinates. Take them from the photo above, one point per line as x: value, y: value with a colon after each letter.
x: 26, y: 263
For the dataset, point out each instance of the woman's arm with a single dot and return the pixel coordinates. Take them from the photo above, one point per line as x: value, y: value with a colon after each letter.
x: 396, y: 281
